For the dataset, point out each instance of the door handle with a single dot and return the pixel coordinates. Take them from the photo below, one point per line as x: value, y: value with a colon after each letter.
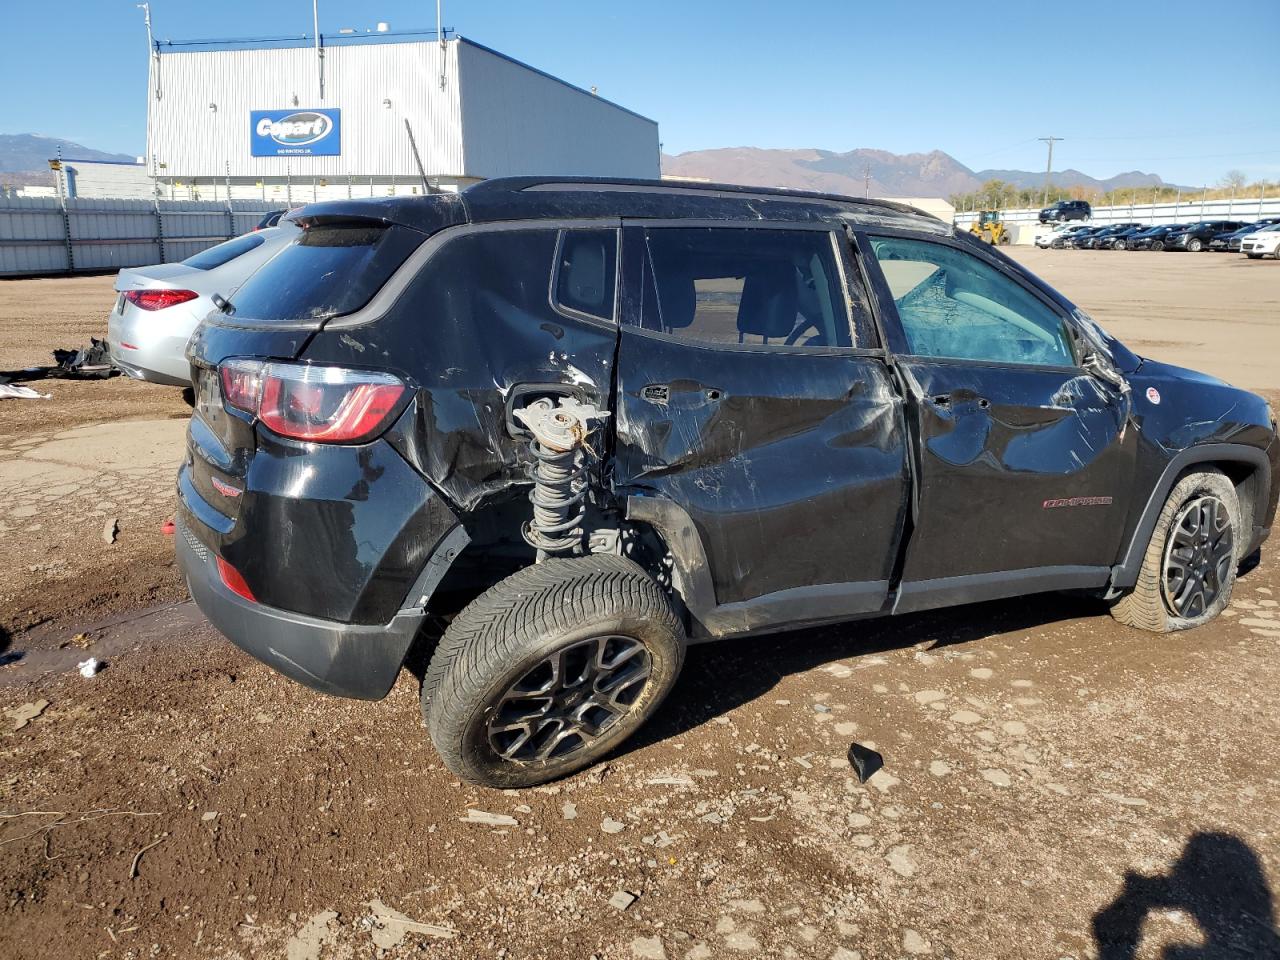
x: 687, y: 394
x: 943, y: 401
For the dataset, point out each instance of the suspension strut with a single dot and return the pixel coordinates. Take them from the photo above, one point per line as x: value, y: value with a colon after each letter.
x: 560, y: 450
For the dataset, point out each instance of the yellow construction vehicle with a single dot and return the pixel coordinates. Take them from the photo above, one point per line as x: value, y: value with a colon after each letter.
x: 990, y: 227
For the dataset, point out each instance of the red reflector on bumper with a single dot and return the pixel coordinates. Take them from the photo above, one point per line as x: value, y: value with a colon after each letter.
x: 233, y: 581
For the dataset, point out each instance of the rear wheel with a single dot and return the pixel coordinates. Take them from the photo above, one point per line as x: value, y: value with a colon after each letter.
x: 1157, y: 244
x: 1118, y: 245
x: 549, y: 670
x: 1189, y: 568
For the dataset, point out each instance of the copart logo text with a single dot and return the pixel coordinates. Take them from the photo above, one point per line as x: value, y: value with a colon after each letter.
x: 297, y: 129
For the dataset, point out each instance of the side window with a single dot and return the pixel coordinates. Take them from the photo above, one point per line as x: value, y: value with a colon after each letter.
x: 491, y: 280
x: 755, y: 287
x: 951, y: 304
x: 586, y: 272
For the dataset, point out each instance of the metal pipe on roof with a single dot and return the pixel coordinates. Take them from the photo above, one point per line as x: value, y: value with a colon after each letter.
x: 315, y: 24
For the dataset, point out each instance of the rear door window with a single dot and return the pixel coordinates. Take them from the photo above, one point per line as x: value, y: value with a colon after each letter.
x: 332, y: 268
x: 754, y: 287
x: 224, y: 252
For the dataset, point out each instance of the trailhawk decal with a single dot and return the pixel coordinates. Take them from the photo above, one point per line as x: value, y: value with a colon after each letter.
x: 1078, y: 502
x: 295, y: 133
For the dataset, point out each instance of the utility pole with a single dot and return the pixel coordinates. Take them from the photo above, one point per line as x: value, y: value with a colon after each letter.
x: 1048, y: 170
x: 866, y: 180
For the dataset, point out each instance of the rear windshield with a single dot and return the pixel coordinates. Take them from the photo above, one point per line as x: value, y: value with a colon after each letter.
x: 331, y: 269
x: 224, y: 252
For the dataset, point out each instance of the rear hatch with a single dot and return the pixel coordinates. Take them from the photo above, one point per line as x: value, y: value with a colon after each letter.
x: 334, y: 267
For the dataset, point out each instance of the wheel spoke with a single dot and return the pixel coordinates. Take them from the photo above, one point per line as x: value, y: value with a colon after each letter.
x: 510, y: 707
x: 569, y: 699
x: 525, y: 732
x: 1198, y: 557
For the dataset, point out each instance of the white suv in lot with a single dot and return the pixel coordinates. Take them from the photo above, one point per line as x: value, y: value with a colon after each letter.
x: 1045, y: 240
x: 1262, y: 243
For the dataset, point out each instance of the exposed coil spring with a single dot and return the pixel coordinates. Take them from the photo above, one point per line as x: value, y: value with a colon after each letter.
x: 558, y: 495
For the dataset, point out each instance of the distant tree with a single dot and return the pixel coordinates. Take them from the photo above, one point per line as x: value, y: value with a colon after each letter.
x: 1233, y: 180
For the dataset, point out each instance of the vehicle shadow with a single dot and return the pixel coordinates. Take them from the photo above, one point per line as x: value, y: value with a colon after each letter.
x: 1219, y: 882
x: 717, y: 677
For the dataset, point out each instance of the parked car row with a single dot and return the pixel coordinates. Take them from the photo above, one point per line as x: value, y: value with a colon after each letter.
x: 1257, y: 239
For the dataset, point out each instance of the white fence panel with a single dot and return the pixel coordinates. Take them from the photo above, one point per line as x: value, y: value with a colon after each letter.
x: 40, y: 235
x: 1183, y: 211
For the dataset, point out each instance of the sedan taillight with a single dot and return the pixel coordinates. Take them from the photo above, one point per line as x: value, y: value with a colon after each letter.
x: 158, y: 299
x: 304, y: 402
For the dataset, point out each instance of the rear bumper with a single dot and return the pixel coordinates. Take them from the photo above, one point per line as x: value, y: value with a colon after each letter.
x: 345, y: 660
x: 157, y: 352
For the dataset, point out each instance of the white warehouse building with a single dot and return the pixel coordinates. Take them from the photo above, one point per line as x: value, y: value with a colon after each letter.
x: 294, y: 121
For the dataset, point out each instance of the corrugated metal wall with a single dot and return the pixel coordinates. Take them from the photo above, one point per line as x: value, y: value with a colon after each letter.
x: 89, y: 178
x: 492, y: 117
x: 188, y: 139
x: 96, y: 234
x: 516, y: 121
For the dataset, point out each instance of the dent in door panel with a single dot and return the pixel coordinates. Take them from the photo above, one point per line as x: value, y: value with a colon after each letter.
x: 774, y: 457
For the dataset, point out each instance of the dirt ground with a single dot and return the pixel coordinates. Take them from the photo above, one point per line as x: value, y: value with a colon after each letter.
x: 1055, y: 785
x: 96, y: 451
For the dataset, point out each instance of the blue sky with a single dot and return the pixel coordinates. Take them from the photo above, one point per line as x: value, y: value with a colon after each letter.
x: 1151, y: 86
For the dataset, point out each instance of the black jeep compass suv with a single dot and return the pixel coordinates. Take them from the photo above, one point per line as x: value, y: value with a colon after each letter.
x: 587, y: 423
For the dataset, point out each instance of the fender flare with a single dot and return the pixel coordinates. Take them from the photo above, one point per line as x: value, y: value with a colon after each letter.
x: 691, y: 574
x: 1125, y: 573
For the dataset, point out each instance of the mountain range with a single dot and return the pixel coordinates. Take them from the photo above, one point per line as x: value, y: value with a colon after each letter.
x: 30, y: 152
x: 932, y: 174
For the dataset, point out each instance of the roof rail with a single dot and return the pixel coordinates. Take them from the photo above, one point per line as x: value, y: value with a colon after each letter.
x: 567, y: 184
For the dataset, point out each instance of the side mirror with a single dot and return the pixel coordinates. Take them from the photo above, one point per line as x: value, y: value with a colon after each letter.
x: 1100, y: 367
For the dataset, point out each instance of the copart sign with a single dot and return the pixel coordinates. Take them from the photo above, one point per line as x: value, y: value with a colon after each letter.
x: 295, y: 133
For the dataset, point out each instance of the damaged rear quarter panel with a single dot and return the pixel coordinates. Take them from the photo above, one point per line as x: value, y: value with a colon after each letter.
x: 473, y: 324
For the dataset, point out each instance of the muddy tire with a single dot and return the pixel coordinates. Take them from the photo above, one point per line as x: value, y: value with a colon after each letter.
x: 1190, y: 565
x: 549, y: 670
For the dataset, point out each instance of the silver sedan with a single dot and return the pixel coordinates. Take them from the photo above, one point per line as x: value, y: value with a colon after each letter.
x: 158, y: 307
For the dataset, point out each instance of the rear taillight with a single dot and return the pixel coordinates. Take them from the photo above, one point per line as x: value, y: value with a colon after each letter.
x: 242, y: 384
x: 158, y: 299
x: 302, y: 402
